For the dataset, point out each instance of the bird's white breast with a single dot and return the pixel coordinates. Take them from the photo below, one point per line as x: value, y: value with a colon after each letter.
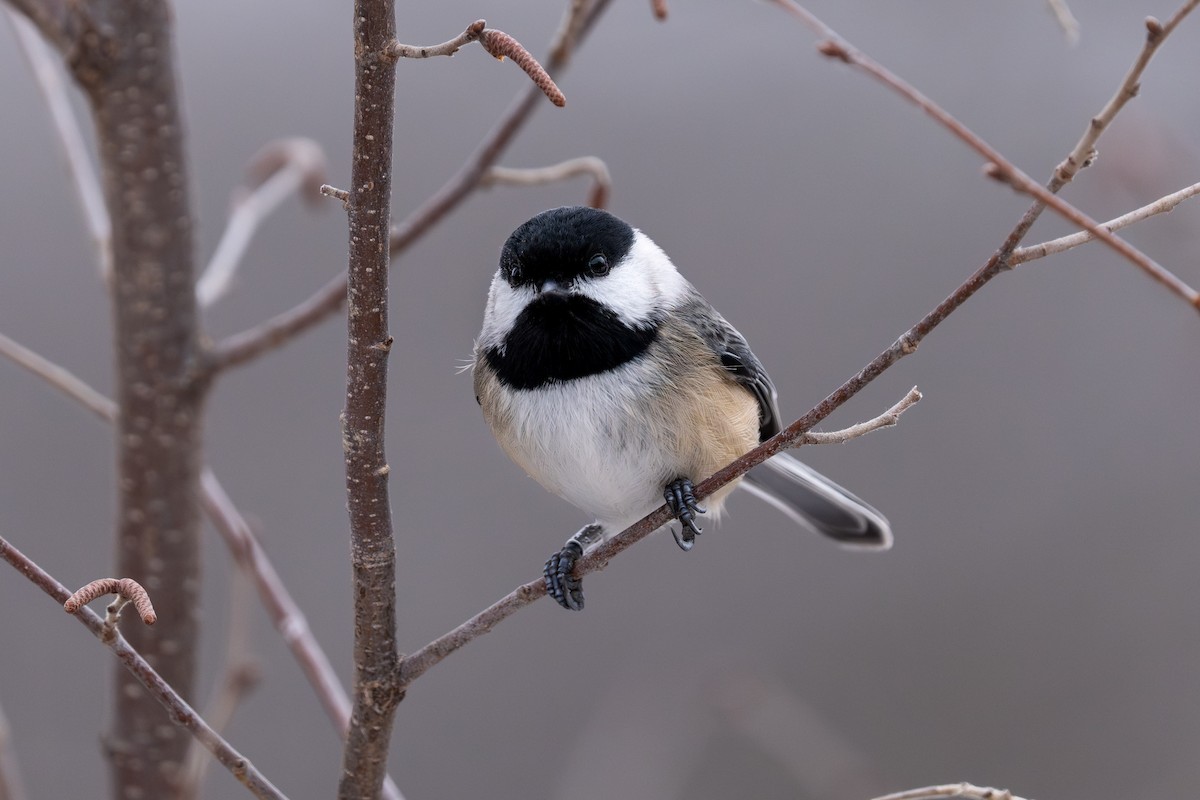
x: 592, y: 441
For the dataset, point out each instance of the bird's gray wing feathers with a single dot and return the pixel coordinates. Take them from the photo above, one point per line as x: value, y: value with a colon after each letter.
x: 737, y: 358
x: 806, y: 496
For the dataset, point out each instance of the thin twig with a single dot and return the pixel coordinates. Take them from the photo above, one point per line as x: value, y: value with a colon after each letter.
x: 47, y: 73
x: 59, y: 378
x: 240, y: 676
x: 243, y: 545
x: 240, y: 348
x: 1162, y: 205
x: 11, y: 785
x: 1084, y: 150
x: 277, y: 171
x: 1066, y: 20
x: 887, y: 419
x: 964, y: 790
x: 538, y: 176
x: 178, y: 711
x: 998, y: 167
x: 471, y: 34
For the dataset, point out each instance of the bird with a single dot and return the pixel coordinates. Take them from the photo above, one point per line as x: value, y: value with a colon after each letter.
x: 605, y: 375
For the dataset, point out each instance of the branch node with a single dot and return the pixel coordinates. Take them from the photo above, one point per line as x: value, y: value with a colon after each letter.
x: 1154, y: 29
x: 833, y: 49
x: 997, y: 172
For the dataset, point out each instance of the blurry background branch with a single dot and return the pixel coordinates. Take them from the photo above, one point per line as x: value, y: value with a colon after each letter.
x: 564, y: 170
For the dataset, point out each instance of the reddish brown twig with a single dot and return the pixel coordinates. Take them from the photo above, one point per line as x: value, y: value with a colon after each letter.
x: 659, y: 7
x: 127, y: 589
x: 501, y: 45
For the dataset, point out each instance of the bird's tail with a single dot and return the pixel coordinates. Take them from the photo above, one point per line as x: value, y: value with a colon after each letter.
x: 817, y: 503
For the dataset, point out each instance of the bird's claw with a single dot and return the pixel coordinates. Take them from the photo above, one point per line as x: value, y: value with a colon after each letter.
x: 680, y: 495
x: 561, y: 584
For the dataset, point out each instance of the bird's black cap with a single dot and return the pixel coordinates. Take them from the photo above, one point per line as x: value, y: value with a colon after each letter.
x: 561, y: 243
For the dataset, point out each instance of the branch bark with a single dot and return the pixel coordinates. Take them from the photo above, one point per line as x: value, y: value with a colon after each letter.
x: 125, y: 66
x: 372, y: 549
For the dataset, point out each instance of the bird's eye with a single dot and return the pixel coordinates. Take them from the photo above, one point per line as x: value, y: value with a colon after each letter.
x: 598, y: 265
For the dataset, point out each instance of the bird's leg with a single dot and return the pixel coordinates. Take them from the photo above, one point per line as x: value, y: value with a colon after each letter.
x: 680, y: 495
x: 564, y: 587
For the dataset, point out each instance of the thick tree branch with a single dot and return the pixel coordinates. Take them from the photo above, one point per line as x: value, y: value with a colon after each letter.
x: 177, y: 708
x: 125, y: 67
x: 372, y: 547
x: 240, y: 348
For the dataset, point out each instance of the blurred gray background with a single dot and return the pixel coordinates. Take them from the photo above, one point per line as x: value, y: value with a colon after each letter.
x: 1036, y: 624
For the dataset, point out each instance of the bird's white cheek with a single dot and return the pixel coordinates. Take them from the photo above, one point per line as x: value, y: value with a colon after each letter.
x: 504, y: 305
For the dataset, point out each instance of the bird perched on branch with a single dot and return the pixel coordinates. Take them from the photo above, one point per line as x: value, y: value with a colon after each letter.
x: 608, y: 378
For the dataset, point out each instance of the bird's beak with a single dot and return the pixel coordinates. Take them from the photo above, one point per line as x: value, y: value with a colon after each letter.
x: 551, y: 289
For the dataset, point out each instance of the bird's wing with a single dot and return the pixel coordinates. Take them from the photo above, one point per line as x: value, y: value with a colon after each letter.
x: 738, y: 359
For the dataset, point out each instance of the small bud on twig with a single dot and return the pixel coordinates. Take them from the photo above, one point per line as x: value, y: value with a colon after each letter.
x: 659, y: 7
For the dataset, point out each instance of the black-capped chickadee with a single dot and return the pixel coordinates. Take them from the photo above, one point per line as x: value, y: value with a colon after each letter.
x: 607, y: 377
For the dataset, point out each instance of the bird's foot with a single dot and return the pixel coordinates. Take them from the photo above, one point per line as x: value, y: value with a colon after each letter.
x: 680, y: 495
x: 561, y: 583
x: 564, y: 587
